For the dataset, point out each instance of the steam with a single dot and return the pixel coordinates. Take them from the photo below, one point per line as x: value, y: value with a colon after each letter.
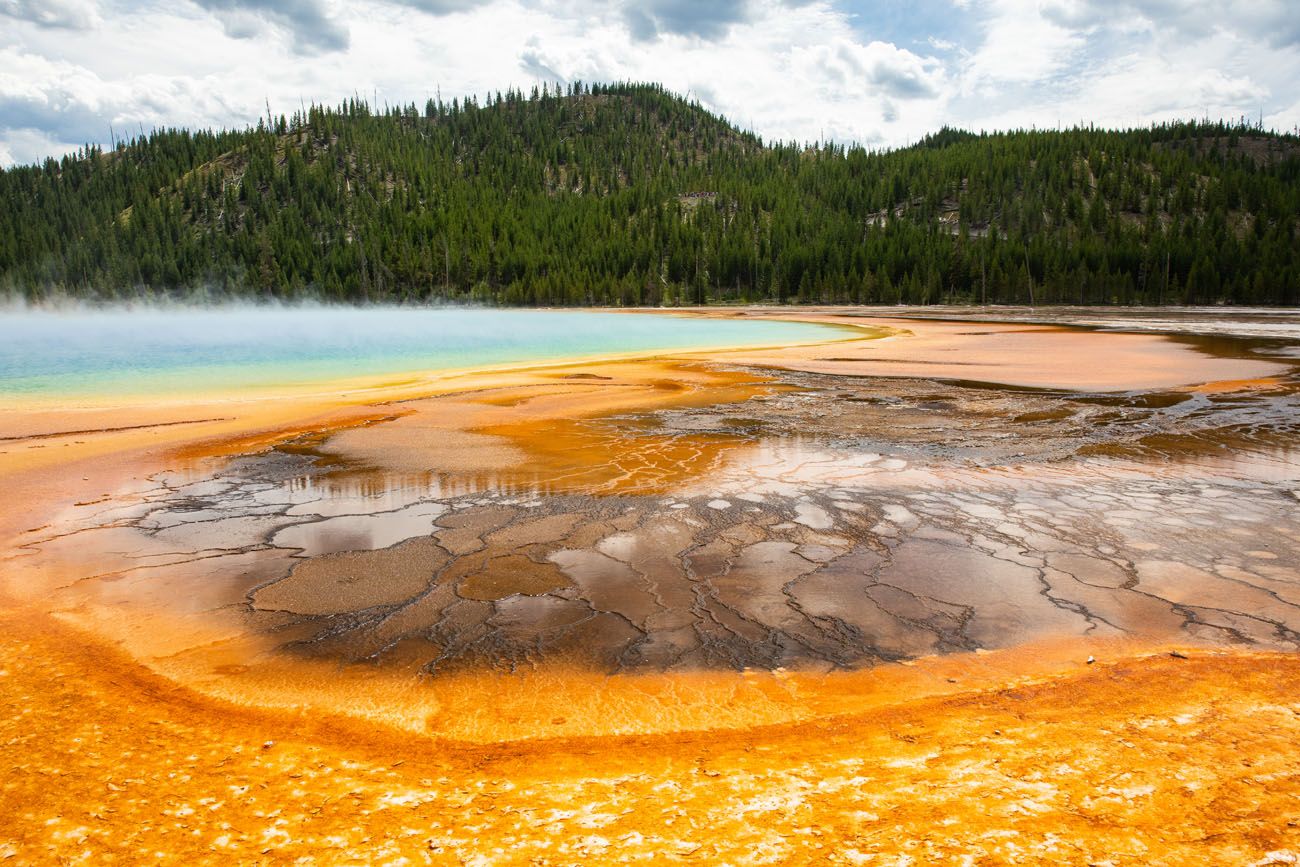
x: 209, y: 296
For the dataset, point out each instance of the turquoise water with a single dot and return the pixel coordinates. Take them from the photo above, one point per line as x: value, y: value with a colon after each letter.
x: 154, y: 352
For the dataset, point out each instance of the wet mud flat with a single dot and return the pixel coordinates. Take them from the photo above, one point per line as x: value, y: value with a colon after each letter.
x: 811, y: 521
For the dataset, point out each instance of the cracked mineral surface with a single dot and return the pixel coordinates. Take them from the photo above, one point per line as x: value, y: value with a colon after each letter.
x: 777, y: 519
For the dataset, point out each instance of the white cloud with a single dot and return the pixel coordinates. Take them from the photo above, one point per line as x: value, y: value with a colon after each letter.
x: 1274, y: 22
x: 67, y: 14
x: 1286, y: 119
x: 1021, y: 44
x: 789, y: 72
x: 790, y: 69
x: 309, y: 22
x: 69, y: 103
x: 31, y: 145
x: 650, y: 19
x: 1122, y: 63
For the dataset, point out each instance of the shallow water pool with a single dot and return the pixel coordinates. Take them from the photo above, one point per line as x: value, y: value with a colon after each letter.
x: 157, y: 352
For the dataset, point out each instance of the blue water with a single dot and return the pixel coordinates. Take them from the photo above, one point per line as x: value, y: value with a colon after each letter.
x: 156, y: 352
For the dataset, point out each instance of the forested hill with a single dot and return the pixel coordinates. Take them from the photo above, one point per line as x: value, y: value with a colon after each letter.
x: 627, y: 194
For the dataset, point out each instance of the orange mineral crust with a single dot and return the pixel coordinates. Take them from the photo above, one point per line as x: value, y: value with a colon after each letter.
x: 929, y: 592
x: 1152, y: 760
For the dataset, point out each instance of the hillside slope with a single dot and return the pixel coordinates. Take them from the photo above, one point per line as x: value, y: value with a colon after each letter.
x: 626, y: 194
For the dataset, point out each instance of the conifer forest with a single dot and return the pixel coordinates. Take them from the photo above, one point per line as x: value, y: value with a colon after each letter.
x: 630, y: 195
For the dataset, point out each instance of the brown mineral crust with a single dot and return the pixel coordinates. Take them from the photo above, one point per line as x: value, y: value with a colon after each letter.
x: 503, y: 577
x: 336, y: 583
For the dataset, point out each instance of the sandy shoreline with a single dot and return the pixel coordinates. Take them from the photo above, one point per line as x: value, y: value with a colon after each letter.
x: 929, y: 727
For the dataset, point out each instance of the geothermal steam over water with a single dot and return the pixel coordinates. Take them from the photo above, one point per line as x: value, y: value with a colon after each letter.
x: 102, y: 353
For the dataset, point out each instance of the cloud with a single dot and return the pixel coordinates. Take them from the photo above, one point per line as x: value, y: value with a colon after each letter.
x: 59, y: 101
x: 1121, y: 62
x: 441, y: 7
x: 787, y: 71
x: 534, y: 62
x: 62, y: 100
x: 899, y: 72
x: 63, y: 14
x: 314, y: 30
x: 22, y: 146
x: 878, y: 68
x: 1286, y: 119
x: 882, y: 74
x: 1274, y: 22
x: 704, y: 19
x: 1021, y: 44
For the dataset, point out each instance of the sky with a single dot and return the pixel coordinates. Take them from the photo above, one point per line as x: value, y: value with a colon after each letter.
x: 879, y: 74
